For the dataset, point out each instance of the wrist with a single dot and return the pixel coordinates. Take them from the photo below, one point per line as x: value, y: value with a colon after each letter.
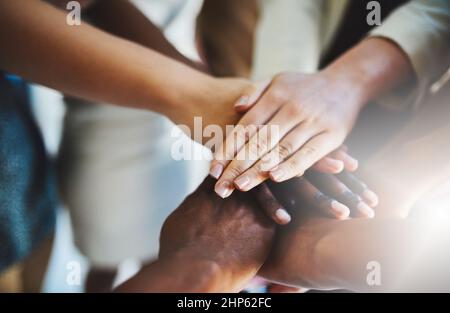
x: 193, y: 272
x: 213, y: 101
x: 351, y: 81
x: 192, y: 99
x: 363, y: 73
x: 397, y: 187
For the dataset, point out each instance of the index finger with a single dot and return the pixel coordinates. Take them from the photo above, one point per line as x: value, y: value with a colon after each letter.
x: 271, y: 205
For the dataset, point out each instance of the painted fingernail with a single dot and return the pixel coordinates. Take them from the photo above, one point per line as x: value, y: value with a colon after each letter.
x: 277, y: 174
x: 341, y: 210
x: 282, y: 216
x: 243, y: 101
x: 365, y: 210
x: 370, y: 197
x: 224, y: 189
x: 242, y: 182
x: 216, y: 170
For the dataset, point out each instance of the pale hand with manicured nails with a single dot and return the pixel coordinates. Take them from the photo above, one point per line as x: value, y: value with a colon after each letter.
x: 313, y: 114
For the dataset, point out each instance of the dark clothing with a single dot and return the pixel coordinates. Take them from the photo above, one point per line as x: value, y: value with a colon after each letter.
x: 376, y: 124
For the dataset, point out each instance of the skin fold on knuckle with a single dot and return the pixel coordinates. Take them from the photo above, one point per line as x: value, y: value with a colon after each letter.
x: 294, y: 167
x: 277, y: 94
x: 295, y: 109
x: 234, y: 170
x: 285, y: 149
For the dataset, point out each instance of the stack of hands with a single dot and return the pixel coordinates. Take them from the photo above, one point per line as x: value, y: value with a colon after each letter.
x: 219, y: 238
x: 310, y: 126
x: 214, y: 244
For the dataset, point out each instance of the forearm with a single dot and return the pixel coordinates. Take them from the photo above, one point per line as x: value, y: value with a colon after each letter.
x: 415, y: 160
x: 186, y: 272
x: 339, y: 255
x: 38, y: 45
x: 180, y: 273
x: 137, y: 27
x: 371, y: 68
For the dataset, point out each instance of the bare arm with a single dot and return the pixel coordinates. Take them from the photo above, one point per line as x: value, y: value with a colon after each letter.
x: 181, y: 273
x: 134, y: 26
x: 38, y: 45
x: 411, y: 254
x: 414, y: 161
x: 208, y: 244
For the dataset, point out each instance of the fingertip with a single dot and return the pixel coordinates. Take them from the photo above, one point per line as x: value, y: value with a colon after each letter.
x: 223, y: 189
x: 282, y: 217
x: 277, y: 175
x: 336, y: 166
x: 365, y: 210
x: 351, y: 164
x: 242, y: 183
x: 370, y: 197
x: 216, y: 170
x: 242, y: 103
x: 329, y: 165
x: 340, y: 210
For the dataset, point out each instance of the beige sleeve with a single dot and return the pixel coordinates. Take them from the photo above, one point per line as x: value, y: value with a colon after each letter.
x: 422, y: 29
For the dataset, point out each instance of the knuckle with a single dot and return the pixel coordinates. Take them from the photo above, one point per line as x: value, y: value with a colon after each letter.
x: 257, y: 146
x: 257, y: 169
x: 278, y: 95
x: 240, y: 132
x: 239, y: 137
x: 262, y: 143
x: 235, y: 169
x: 309, y: 152
x: 351, y: 197
x: 294, y: 166
x: 285, y: 149
x: 295, y: 108
x: 329, y: 123
x: 252, y: 150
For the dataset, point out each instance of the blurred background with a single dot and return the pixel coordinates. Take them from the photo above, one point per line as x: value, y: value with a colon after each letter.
x: 176, y: 17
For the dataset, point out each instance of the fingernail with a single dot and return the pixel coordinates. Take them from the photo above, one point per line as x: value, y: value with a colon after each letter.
x: 216, y: 170
x: 242, y: 182
x: 370, y: 197
x: 335, y: 166
x: 224, y: 189
x: 283, y: 216
x: 277, y: 174
x: 365, y: 210
x: 342, y: 210
x: 243, y: 101
x: 353, y: 163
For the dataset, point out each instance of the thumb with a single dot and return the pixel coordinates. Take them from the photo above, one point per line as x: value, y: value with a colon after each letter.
x: 246, y: 101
